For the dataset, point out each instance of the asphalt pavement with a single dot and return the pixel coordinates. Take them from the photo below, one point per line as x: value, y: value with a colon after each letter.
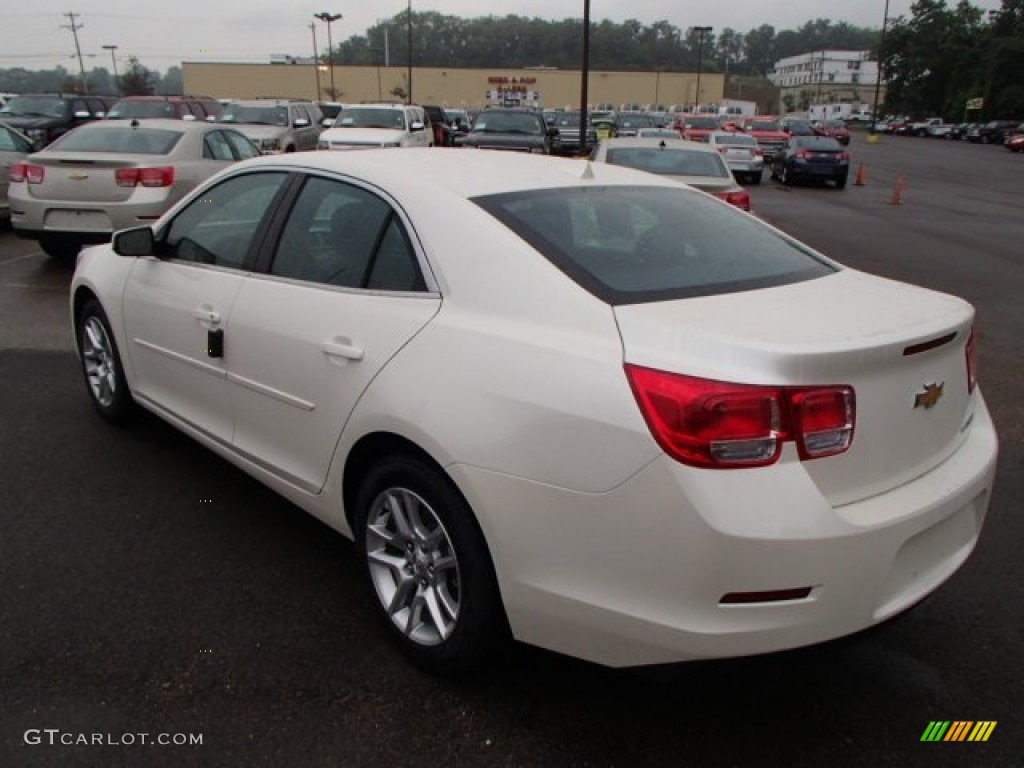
x: 151, y: 590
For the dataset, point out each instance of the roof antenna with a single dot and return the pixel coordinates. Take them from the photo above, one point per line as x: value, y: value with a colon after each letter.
x: 135, y: 122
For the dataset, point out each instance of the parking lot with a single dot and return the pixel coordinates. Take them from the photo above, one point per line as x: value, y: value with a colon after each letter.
x: 150, y: 587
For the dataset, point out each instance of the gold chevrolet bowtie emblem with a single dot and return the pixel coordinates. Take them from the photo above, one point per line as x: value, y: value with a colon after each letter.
x: 78, y: 176
x: 930, y: 396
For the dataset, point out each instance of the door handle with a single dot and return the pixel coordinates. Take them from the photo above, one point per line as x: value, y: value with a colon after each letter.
x: 343, y: 349
x: 206, y: 314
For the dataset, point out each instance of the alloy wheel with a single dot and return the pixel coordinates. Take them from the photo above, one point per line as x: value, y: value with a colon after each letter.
x: 413, y: 566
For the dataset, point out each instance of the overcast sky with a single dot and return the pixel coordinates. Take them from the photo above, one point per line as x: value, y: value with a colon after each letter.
x: 35, y: 34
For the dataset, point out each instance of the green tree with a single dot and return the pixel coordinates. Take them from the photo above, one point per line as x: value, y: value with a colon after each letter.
x: 137, y: 80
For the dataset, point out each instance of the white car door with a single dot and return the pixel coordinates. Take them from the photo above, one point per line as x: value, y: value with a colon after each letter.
x: 344, y: 292
x: 177, y: 308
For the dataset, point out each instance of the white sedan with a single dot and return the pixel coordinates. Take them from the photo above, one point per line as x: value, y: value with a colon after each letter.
x: 579, y: 404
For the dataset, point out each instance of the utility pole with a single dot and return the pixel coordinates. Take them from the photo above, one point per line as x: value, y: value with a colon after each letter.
x: 74, y: 27
x: 113, y: 63
x: 700, y: 55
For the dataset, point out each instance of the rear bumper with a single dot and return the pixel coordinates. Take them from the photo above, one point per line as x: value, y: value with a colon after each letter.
x: 86, y: 222
x: 638, y: 575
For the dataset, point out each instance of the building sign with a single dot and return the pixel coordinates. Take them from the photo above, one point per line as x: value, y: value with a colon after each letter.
x: 512, y: 91
x: 977, y: 103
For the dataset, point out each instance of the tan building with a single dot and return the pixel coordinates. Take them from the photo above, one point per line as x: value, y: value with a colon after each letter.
x: 449, y: 87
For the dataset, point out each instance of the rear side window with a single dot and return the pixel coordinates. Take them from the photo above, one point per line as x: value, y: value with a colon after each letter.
x: 628, y: 245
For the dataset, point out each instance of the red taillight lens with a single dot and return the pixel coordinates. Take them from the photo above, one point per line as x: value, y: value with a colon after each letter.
x: 739, y: 198
x: 723, y: 425
x: 33, y: 174
x: 707, y: 423
x: 823, y: 419
x: 803, y: 154
x: 972, y: 361
x: 844, y: 157
x: 145, y: 177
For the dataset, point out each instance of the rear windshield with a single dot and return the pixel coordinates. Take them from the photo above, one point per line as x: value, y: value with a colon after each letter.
x: 670, y: 161
x: 239, y: 113
x: 702, y: 122
x: 736, y: 140
x: 818, y: 143
x: 34, y: 106
x: 128, y: 109
x: 128, y: 140
x: 636, y: 244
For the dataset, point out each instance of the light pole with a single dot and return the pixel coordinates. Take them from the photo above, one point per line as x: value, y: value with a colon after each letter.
x: 408, y: 20
x: 700, y: 56
x: 327, y: 18
x: 878, y: 64
x: 113, y: 63
x: 380, y: 55
x: 316, y: 61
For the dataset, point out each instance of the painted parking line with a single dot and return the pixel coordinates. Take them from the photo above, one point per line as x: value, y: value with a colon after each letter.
x: 25, y: 257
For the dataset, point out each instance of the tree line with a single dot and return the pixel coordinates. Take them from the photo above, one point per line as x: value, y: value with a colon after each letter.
x: 933, y: 61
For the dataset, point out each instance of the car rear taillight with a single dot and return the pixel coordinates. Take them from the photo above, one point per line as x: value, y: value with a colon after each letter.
x: 822, y: 420
x: 145, y: 177
x: 971, y: 351
x: 19, y: 172
x: 802, y: 154
x: 725, y: 425
x: 740, y: 198
x: 844, y: 157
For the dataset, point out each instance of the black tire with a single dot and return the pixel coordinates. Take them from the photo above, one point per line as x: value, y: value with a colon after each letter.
x: 101, y: 365
x: 466, y: 622
x: 755, y: 179
x: 784, y: 177
x: 841, y: 182
x: 60, y: 250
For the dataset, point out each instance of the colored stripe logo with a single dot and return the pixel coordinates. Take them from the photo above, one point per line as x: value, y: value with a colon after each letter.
x: 958, y: 730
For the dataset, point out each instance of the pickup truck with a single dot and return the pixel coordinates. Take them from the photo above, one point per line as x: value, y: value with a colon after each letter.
x: 935, y: 127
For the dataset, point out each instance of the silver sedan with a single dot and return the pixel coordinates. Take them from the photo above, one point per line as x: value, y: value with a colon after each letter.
x: 106, y: 176
x: 14, y: 146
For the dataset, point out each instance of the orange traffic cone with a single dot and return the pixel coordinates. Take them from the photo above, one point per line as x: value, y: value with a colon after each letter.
x: 897, y: 192
x: 858, y: 180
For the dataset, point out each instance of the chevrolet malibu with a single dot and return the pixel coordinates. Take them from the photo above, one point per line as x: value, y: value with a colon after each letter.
x: 109, y: 175
x: 572, y: 403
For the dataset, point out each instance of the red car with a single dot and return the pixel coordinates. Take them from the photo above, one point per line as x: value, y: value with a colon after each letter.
x: 767, y: 131
x: 836, y: 129
x: 696, y: 127
x: 1015, y: 142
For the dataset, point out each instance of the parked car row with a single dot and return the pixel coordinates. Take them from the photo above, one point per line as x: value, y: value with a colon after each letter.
x: 991, y: 132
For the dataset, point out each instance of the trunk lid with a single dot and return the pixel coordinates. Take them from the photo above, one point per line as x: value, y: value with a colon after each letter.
x: 895, y: 344
x: 84, y: 177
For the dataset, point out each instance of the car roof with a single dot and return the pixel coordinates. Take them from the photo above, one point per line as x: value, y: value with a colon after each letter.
x: 463, y: 173
x: 165, y: 123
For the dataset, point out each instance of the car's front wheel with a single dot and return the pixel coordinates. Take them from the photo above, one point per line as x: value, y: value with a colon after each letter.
x: 101, y: 365
x: 428, y: 565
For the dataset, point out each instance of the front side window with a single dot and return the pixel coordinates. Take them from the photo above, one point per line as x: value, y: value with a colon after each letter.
x: 633, y: 244
x: 218, y: 227
x: 216, y: 147
x: 342, y: 235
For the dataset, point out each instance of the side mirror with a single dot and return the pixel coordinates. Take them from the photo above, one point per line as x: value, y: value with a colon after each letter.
x: 188, y: 117
x: 84, y: 115
x: 137, y: 241
x: 300, y: 122
x: 416, y: 125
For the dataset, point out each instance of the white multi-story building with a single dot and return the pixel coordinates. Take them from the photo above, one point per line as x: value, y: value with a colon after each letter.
x: 821, y: 77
